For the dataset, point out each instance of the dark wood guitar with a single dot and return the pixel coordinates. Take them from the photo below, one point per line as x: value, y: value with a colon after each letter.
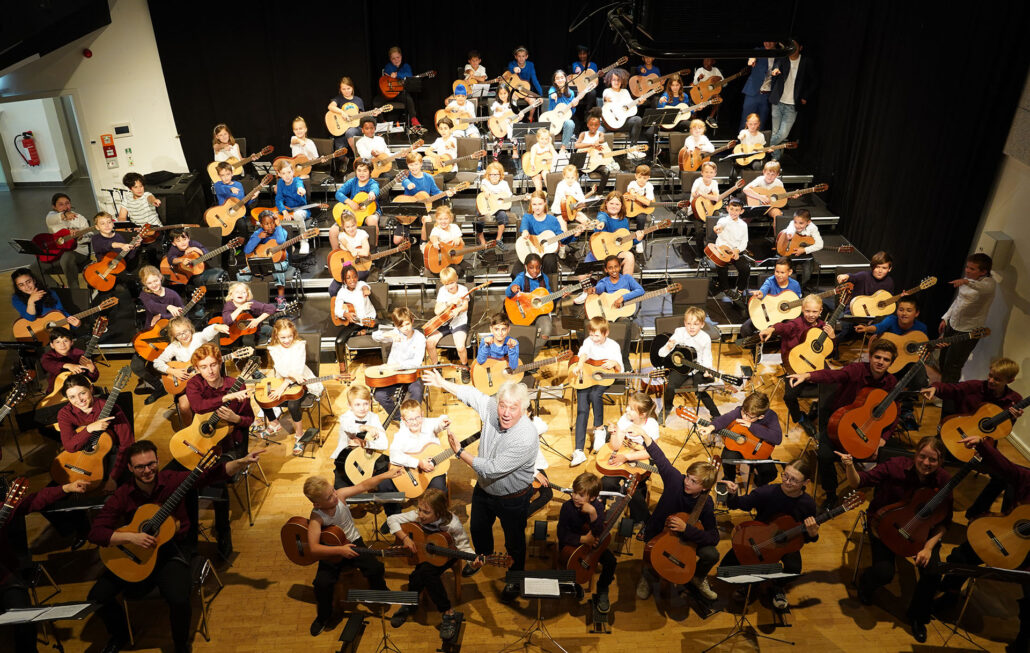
x: 670, y: 556
x: 585, y: 558
x: 194, y: 260
x: 239, y: 326
x: 437, y: 549
x: 758, y: 543
x: 735, y: 438
x: 391, y: 87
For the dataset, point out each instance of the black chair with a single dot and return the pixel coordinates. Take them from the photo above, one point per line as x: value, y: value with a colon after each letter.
x: 380, y: 301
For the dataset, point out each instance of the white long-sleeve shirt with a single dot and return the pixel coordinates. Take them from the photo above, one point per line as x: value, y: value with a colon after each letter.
x: 356, y: 298
x: 292, y: 362
x: 176, y: 351
x: 810, y: 230
x: 562, y: 190
x: 701, y: 142
x: 972, y: 302
x: 701, y: 344
x: 55, y: 222
x: 609, y: 350
x: 452, y: 528
x: 406, y: 354
x: 732, y: 233
x: 350, y: 427
x: 650, y: 427
x: 406, y: 443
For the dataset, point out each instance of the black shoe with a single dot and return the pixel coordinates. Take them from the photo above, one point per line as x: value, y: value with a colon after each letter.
x: 225, y: 545
x: 466, y: 376
x: 918, y: 630
x: 80, y: 541
x: 602, y: 603
x: 399, y: 617
x: 448, y: 627
x: 384, y: 529
x: 510, y: 592
x: 578, y: 591
x: 114, y: 645
x: 468, y: 571
x: 317, y: 626
x: 143, y: 388
x: 154, y: 396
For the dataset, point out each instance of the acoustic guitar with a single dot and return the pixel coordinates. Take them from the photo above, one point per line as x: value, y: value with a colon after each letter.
x: 360, y: 462
x: 525, y: 307
x: 989, y: 421
x: 1002, y: 541
x: 692, y: 159
x: 427, y: 199
x: 585, y: 558
x: 302, y: 165
x: 773, y: 309
x: 904, y: 527
x: 499, y: 125
x: 670, y: 556
x: 460, y: 120
x: 489, y: 203
x: 910, y: 344
x: 391, y: 87
x: 38, y: 329
x: 712, y: 86
x: 437, y: 549
x: 604, y: 244
x: 570, y: 207
x: 684, y: 360
x: 383, y: 162
x: 534, y: 164
x: 277, y: 251
x: 103, y: 274
x: 443, y: 162
x: 789, y: 245
x: 151, y: 235
x: 759, y: 543
x: 437, y: 258
x: 18, y: 393
x: 191, y: 445
x: 413, y: 481
x: 604, y: 156
x: 635, y: 207
x: 294, y: 537
x: 488, y: 377
x: 176, y: 387
x: 686, y: 110
x: 590, y: 373
x: 339, y: 259
x: 194, y: 262
x: 603, y: 305
x: 736, y: 437
x: 225, y: 216
x: 383, y: 376
x: 350, y: 117
x: 365, y: 204
x: 720, y: 255
x: 640, y: 84
x: 151, y: 343
x: 746, y: 153
x: 350, y: 314
x: 516, y: 85
x: 811, y: 354
x: 434, y: 323
x: 562, y: 112
x: 548, y: 242
x: 15, y: 495
x: 264, y: 388
x: 54, y: 245
x: 633, y: 469
x: 133, y: 563
x: 882, y: 303
x: 57, y: 396
x: 704, y: 208
x: 236, y: 163
x: 615, y: 114
x: 87, y: 464
x: 255, y: 213
x: 587, y: 79
x: 238, y: 328
x: 776, y: 198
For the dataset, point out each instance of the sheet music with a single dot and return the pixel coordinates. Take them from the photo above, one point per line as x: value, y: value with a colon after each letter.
x: 480, y: 90
x: 541, y: 586
x: 20, y: 616
x: 61, y: 611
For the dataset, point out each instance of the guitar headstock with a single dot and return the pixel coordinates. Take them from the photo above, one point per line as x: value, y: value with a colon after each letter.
x: 107, y: 303
x: 659, y: 373
x: 499, y: 560
x: 405, y: 246
x: 122, y: 379
x: 791, y: 145
x: 99, y: 327
x: 338, y: 153
x: 267, y: 180
x: 843, y: 291
x: 928, y: 282
x: 687, y: 413
x: 665, y: 224
x: 386, y: 108
x: 478, y: 155
x: 676, y: 287
x: 242, y: 352
x: 290, y: 307
x: 144, y: 232
x: 417, y: 144
x: 538, y: 101
x: 564, y: 356
x: 198, y: 294
x: 429, y: 74
x: 979, y: 332
x: 820, y: 188
x: 853, y: 500
x: 266, y: 150
x: 463, y: 185
x: 249, y: 369
x: 401, y: 176
x: 16, y: 492
x: 639, y: 148
x: 310, y: 233
x: 715, y: 100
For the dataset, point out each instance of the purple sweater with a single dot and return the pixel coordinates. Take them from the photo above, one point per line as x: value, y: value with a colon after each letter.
x: 102, y: 245
x: 175, y: 252
x: 866, y: 284
x: 767, y: 428
x: 674, y: 500
x: 155, y: 305
x: 256, y: 309
x: 572, y: 522
x: 769, y: 502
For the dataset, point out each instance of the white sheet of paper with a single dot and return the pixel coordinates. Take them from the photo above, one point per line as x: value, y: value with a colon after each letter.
x: 20, y: 616
x: 62, y: 611
x: 542, y: 586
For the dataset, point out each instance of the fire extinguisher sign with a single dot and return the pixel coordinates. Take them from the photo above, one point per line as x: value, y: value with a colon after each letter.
x: 24, y: 141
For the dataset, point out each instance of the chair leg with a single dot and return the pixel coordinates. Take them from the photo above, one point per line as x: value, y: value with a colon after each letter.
x: 128, y: 622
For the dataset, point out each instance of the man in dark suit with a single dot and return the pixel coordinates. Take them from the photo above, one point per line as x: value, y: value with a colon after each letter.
x: 792, y: 83
x: 758, y: 87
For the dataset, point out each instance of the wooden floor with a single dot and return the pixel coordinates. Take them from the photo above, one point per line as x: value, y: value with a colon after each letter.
x: 268, y: 604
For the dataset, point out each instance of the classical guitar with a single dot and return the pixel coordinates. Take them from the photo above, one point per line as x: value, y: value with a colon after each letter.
x: 548, y: 242
x: 437, y: 548
x: 1002, y: 541
x: 488, y: 203
x: 692, y: 159
x: 635, y: 207
x: 860, y: 426
x: 103, y: 274
x: 684, y: 360
x: 640, y: 84
x: 87, y: 464
x: 437, y: 258
x: 29, y: 330
x: 525, y: 307
x: 360, y: 462
x: 634, y: 469
x: 585, y: 558
x: 735, y: 438
x: 302, y: 165
x: 704, y: 208
x: 225, y: 216
x: 57, y: 396
x: 669, y: 555
x: 176, y: 386
x: 811, y: 355
x: 56, y: 244
x: 773, y: 309
x: 904, y: 527
x: 236, y: 163
x: 776, y: 198
x: 339, y: 259
x: 989, y: 421
x: 413, y: 481
x: 712, y: 86
x: 350, y: 314
x: 194, y: 260
x: 590, y: 373
x: 427, y: 199
x: 615, y: 114
x: 488, y: 377
x: 603, y: 305
x: 562, y: 112
x: 588, y: 79
x: 434, y: 323
x: 255, y: 213
x: 391, y: 87
x: 383, y: 162
x: 366, y: 203
x: 534, y: 164
x: 277, y: 251
x: 350, y: 116
x: 516, y: 84
x: 239, y: 326
x: 788, y: 245
x: 499, y: 125
x: 133, y: 563
x: 264, y: 388
x: 745, y: 153
x: 294, y: 537
x: 440, y: 162
x: 605, y: 155
x: 686, y: 110
x: 882, y: 303
x: 192, y: 444
x: 604, y: 244
x: 910, y: 344
x: 383, y: 376
x: 570, y: 207
x: 460, y: 120
x: 757, y: 543
x: 720, y: 255
x: 15, y: 495
x: 17, y: 394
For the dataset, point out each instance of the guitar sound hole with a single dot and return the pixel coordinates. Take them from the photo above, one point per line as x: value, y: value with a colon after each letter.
x: 1023, y: 528
x: 148, y: 528
x: 206, y: 429
x: 985, y: 427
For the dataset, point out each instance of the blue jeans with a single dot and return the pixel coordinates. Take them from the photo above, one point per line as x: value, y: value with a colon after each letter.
x: 783, y: 117
x: 278, y: 273
x: 755, y: 104
x: 568, y: 133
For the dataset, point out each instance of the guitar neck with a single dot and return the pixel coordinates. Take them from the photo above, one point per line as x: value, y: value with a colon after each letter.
x: 172, y: 502
x: 948, y: 488
x: 835, y: 315
x: 649, y: 295
x: 76, y: 234
x: 288, y: 243
x: 550, y: 297
x: 993, y: 422
x: 387, y: 252
x: 210, y: 255
x: 536, y: 364
x: 383, y: 190
x: 94, y: 343
x: 655, y: 227
x: 436, y: 550
x: 448, y: 453
x: 476, y: 248
x: 797, y: 302
x: 133, y: 244
x: 79, y: 316
x: 615, y: 513
x: 105, y: 412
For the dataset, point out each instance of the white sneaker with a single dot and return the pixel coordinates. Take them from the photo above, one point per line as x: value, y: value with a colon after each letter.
x: 581, y: 298
x: 600, y: 436
x: 640, y: 247
x: 702, y: 586
x: 562, y: 251
x: 643, y: 589
x: 636, y: 155
x: 578, y: 458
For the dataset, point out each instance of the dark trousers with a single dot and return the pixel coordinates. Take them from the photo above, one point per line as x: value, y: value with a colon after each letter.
x: 994, y: 488
x: 638, y: 510
x: 791, y: 396
x: 404, y: 98
x: 385, y: 397
x: 539, y: 498
x: 72, y: 263
x: 607, y: 575
x: 438, y: 482
x: 881, y: 572
x: 743, y: 272
x: 549, y: 265
x: 764, y: 473
x: 342, y: 336
x: 426, y: 576
x: 676, y: 381
x: 791, y: 565
x: 747, y: 329
x: 292, y: 407
x: 585, y: 400
x: 827, y: 464
x: 14, y: 595
x: 171, y: 576
x: 329, y: 572
x: 145, y: 371
x: 953, y: 358
x: 513, y: 513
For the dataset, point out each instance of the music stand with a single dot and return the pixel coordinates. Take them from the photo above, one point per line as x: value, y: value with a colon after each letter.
x: 749, y: 575
x: 588, y: 268
x: 26, y: 246
x: 261, y: 266
x: 975, y: 573
x: 376, y: 601
x: 655, y: 118
x: 538, y: 584
x: 47, y: 614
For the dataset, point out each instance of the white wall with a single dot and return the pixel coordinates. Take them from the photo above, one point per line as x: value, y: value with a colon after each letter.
x: 122, y: 81
x: 42, y: 118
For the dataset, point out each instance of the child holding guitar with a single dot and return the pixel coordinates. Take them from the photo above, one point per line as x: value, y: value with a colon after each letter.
x: 494, y: 184
x: 697, y: 139
x: 537, y: 222
x: 64, y: 356
x: 461, y: 105
x: 754, y: 415
x: 769, y: 180
x: 749, y: 139
x: 355, y: 241
x: 289, y: 361
x: 523, y: 69
x: 226, y: 189
x: 370, y: 145
x: 344, y: 97
x: 408, y: 352
x: 397, y: 69
x: 502, y: 105
x: 616, y: 93
x: 352, y: 304
x: 418, y: 182
x: 561, y: 93
x: 674, y: 94
x: 581, y: 522
x: 446, y: 145
x: 224, y: 145
x: 732, y: 238
x: 160, y: 303
x: 359, y: 427
x: 627, y: 444
x: 445, y: 232
x: 802, y: 226
x: 902, y: 322
x: 867, y: 282
x: 33, y: 301
x: 361, y: 182
x: 300, y: 143
x: 610, y: 219
x: 543, y: 155
x: 780, y: 281
x: 176, y: 254
x: 693, y: 336
x: 499, y: 345
x: 614, y: 282
x: 531, y: 278
x: 290, y: 192
x: 141, y: 206
x: 433, y: 516
x: 78, y: 422
x: 239, y: 299
x: 897, y: 480
x: 705, y: 72
x: 270, y: 232
x: 592, y: 138
x: 183, y: 341
x: 641, y: 192
x: 607, y: 354
x: 106, y: 240
x: 451, y: 292
x: 416, y: 432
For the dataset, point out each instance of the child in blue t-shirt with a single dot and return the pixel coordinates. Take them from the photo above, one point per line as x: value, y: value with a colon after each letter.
x: 289, y: 191
x: 269, y: 231
x: 780, y: 281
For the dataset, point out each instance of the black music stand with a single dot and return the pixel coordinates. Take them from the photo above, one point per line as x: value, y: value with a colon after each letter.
x: 261, y: 266
x: 975, y: 573
x: 379, y: 499
x: 26, y: 246
x: 47, y: 614
x: 654, y: 118
x: 749, y: 575
x: 589, y: 268
x: 376, y: 601
x: 538, y: 584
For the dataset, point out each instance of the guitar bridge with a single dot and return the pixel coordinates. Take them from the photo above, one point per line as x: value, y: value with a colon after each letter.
x: 861, y: 433
x: 997, y: 543
x: 129, y: 554
x: 78, y: 470
x: 673, y: 559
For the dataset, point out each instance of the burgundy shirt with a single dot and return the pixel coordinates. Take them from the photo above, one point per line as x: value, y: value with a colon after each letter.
x: 1018, y: 475
x: 54, y: 364
x: 256, y: 309
x: 867, y: 284
x: 205, y: 399
x: 11, y: 557
x: 769, y: 502
x: 121, y: 506
x: 792, y: 333
x: 852, y: 378
x: 159, y: 305
x: 970, y: 395
x: 767, y: 428
x: 674, y: 500
x: 896, y: 480
x: 573, y: 524
x: 71, y: 420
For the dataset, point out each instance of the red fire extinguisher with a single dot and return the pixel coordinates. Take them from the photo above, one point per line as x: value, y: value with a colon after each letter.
x: 29, y: 144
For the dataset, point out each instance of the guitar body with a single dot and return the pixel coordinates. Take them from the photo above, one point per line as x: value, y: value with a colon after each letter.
x: 811, y: 354
x: 747, y: 534
x: 50, y: 244
x: 412, y: 481
x: 422, y: 538
x: 557, y: 117
x: 615, y: 116
x: 364, y: 210
x: 437, y: 258
x: 264, y: 250
x: 856, y: 428
x: 525, y: 307
x: 359, y: 465
x: 589, y: 375
x: 151, y: 343
x: 752, y: 448
x: 704, y: 208
x: 236, y: 331
x: 1002, y: 541
x: 29, y: 331
x: 378, y: 377
x: 294, y: 536
x: 692, y: 159
x: 542, y: 244
x: 773, y: 309
x: 604, y: 244
x: 340, y: 258
x: 603, y: 306
x: 671, y: 557
x: 225, y: 216
x: 180, y: 274
x: 634, y: 208
x: 720, y: 255
x: 488, y: 377
x: 957, y: 427
x: 777, y: 197
x: 190, y: 444
x: 675, y: 359
x: 55, y: 397
x: 235, y: 162
x: 498, y: 125
x: 908, y: 352
x: 744, y: 148
x: 390, y: 87
x: 583, y: 559
x: 867, y: 305
x: 133, y: 563
x: 789, y: 245
x: 890, y: 522
x: 264, y: 389
x: 172, y: 385
x: 625, y: 470
x: 640, y: 84
x: 82, y: 465
x: 99, y: 277
x: 534, y: 165
x: 516, y: 84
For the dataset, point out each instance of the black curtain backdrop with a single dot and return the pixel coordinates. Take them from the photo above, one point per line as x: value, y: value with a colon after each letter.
x: 912, y: 107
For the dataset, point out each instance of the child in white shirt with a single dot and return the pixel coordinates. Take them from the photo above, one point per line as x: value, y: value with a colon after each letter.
x: 627, y: 444
x: 415, y: 434
x: 692, y: 335
x: 643, y: 193
x: 407, y: 353
x: 598, y: 346
x: 451, y: 292
x: 301, y: 144
x: 732, y: 234
x: 446, y: 145
x: 359, y: 425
